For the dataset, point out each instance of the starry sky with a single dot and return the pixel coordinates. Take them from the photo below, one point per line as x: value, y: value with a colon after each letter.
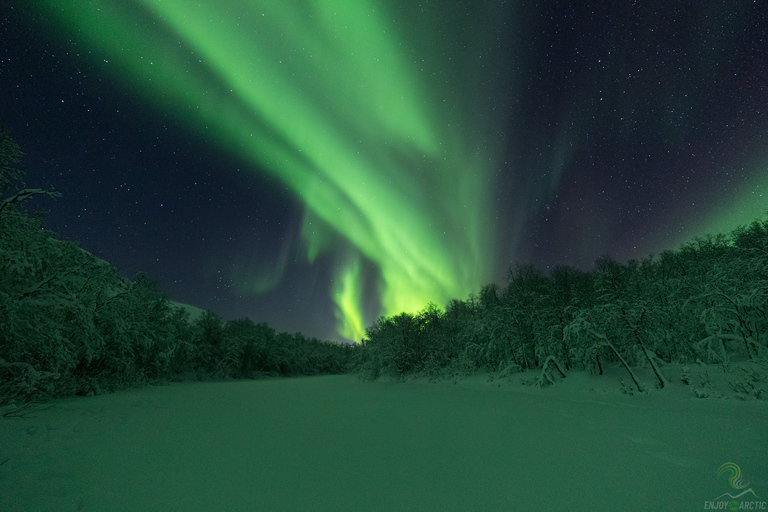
x: 314, y: 164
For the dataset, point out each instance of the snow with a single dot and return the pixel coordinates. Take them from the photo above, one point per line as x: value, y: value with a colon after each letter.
x: 337, y: 443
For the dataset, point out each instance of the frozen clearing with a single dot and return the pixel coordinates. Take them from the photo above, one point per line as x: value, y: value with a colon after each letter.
x: 336, y: 443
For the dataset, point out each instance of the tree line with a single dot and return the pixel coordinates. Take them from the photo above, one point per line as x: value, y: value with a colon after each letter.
x: 707, y: 301
x: 70, y: 324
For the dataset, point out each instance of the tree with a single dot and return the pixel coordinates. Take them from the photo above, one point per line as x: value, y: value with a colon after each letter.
x: 11, y: 175
x: 209, y: 334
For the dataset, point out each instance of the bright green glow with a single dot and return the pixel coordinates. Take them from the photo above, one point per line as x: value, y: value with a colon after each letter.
x: 739, y: 206
x: 347, y: 295
x: 318, y: 92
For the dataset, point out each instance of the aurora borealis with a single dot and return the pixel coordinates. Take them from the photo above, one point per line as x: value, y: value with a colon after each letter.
x: 400, y: 152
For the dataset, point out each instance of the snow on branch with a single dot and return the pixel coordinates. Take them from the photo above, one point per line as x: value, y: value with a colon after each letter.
x: 28, y: 193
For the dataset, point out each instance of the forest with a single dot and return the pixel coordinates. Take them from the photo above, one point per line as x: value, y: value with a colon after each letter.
x: 705, y: 303
x: 70, y: 324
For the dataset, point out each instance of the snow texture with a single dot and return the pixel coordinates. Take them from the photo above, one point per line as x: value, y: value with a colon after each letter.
x: 336, y: 443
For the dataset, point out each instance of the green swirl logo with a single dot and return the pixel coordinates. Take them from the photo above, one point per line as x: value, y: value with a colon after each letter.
x: 735, y: 475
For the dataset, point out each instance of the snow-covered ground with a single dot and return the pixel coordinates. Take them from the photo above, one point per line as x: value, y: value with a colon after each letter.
x: 336, y: 443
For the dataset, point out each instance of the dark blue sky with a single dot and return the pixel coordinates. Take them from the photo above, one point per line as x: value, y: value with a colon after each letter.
x: 625, y: 128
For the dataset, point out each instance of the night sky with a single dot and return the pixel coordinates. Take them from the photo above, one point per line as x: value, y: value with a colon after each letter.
x: 314, y: 164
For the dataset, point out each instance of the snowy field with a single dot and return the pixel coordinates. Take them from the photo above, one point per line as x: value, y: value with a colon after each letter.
x: 337, y: 443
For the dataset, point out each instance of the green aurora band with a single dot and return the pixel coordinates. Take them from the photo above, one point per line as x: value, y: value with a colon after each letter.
x: 322, y: 94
